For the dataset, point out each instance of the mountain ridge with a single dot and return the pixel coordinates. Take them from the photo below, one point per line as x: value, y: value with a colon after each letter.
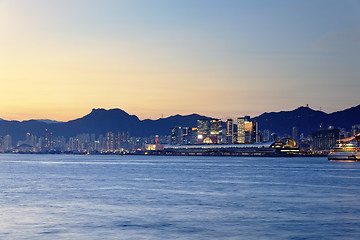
x: 99, y: 121
x: 307, y: 120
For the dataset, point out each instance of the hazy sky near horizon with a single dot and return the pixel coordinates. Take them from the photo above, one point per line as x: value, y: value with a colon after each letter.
x: 152, y: 58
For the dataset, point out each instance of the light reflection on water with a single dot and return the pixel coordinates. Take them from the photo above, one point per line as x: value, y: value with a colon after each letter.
x: 149, y: 197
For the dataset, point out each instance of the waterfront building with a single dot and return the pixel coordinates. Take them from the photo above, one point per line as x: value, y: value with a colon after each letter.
x: 48, y: 141
x: 235, y: 133
x: 189, y: 135
x: 186, y: 132
x: 154, y: 147
x: 215, y: 130
x: 251, y: 132
x: 247, y: 130
x: 325, y: 139
x: 280, y: 147
x: 176, y: 135
x: 7, y: 146
x: 209, y: 131
x: 110, y: 142
x: 229, y: 131
x: 203, y: 126
x: 266, y: 134
x: 241, y: 129
x: 295, y: 133
x: 203, y: 130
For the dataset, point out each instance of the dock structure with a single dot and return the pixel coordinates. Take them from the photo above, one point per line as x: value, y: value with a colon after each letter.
x: 281, y: 147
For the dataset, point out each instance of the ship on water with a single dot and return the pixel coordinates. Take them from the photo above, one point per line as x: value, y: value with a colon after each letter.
x: 346, y: 150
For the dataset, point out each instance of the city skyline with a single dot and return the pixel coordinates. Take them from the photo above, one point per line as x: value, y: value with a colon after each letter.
x: 60, y: 59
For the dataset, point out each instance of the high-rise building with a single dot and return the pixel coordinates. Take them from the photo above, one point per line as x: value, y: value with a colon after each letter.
x: 176, y: 136
x: 241, y: 128
x: 203, y: 126
x: 255, y: 136
x: 229, y: 131
x: 1, y: 144
x: 247, y: 130
x: 203, y: 130
x: 7, y: 143
x: 266, y: 135
x: 215, y: 127
x: 110, y: 141
x: 251, y: 132
x: 189, y: 135
x: 209, y: 131
x: 295, y: 133
x: 215, y: 130
x: 47, y: 140
x: 325, y: 139
x: 235, y: 133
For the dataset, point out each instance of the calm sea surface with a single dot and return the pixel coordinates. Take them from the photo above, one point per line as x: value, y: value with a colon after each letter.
x: 157, y: 197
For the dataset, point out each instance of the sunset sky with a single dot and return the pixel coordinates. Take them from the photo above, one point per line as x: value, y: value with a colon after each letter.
x: 152, y: 58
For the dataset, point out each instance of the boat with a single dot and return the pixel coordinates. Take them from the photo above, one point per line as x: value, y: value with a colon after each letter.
x: 346, y: 150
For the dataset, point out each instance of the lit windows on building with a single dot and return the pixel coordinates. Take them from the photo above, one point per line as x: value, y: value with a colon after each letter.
x: 229, y: 131
x: 209, y: 131
x: 247, y: 130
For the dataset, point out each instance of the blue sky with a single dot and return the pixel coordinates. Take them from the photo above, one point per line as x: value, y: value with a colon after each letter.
x: 224, y: 59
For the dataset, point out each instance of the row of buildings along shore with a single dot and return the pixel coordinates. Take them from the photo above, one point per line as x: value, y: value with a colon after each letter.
x: 246, y: 131
x: 210, y: 131
x: 211, y: 135
x: 243, y: 137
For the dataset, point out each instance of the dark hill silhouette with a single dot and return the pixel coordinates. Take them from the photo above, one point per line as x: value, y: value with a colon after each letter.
x: 18, y: 129
x: 163, y: 126
x: 307, y: 120
x: 100, y: 121
x: 346, y: 118
x: 304, y: 118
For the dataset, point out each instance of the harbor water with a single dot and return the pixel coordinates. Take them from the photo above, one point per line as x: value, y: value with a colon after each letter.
x: 159, y: 197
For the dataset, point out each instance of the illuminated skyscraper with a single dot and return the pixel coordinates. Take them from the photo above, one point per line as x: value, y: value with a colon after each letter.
x: 47, y: 140
x: 229, y: 131
x: 251, y: 132
x: 247, y: 130
x: 215, y: 127
x: 176, y: 136
x: 203, y: 129
x: 110, y: 141
x: 325, y: 139
x: 203, y: 126
x: 216, y: 130
x: 189, y: 135
x: 209, y: 131
x: 241, y: 128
